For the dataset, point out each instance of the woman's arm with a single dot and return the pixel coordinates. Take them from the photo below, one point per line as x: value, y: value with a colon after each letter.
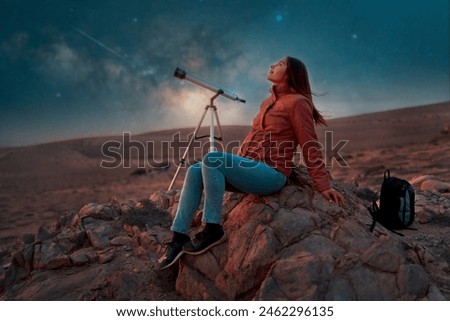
x: 305, y: 133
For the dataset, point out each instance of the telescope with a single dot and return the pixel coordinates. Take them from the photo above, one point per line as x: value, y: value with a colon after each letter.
x: 180, y: 73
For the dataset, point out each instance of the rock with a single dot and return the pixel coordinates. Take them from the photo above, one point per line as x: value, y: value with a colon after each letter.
x: 98, y: 235
x: 430, y: 183
x: 83, y: 256
x: 100, y: 211
x: 412, y: 281
x: 50, y: 256
x: 43, y: 234
x: 106, y: 255
x: 69, y: 240
x: 165, y: 199
x: 291, y: 226
x: 373, y: 285
x: 193, y: 284
x: 300, y: 277
x: 65, y: 219
x: 384, y: 255
x: 120, y: 240
x: 434, y: 294
x: 340, y: 289
x: 435, y: 186
x: 418, y: 180
x: 352, y: 236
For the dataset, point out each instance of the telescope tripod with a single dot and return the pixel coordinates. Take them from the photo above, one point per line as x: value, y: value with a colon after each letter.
x: 214, y: 118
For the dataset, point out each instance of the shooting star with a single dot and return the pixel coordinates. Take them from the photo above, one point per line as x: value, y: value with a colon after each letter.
x: 142, y: 69
x: 102, y: 45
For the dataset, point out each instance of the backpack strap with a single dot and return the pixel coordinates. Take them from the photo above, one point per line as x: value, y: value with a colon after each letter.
x: 374, y: 210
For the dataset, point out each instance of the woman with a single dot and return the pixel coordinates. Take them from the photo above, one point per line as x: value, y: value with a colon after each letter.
x: 264, y: 161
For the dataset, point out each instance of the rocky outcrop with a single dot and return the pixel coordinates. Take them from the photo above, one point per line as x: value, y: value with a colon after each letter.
x: 292, y: 245
x: 102, y: 252
x: 295, y: 245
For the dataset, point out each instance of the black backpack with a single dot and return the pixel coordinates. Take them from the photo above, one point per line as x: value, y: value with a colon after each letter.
x: 396, y: 209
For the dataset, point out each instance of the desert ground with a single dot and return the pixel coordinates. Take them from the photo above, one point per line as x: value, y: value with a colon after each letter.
x: 40, y: 183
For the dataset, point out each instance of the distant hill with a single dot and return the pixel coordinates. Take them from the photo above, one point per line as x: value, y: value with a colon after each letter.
x: 390, y: 128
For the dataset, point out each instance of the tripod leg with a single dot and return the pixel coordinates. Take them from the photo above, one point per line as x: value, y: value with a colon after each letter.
x: 183, y: 159
x: 220, y: 138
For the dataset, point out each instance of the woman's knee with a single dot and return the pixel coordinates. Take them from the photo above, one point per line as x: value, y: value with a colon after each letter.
x: 214, y: 159
x: 194, y: 170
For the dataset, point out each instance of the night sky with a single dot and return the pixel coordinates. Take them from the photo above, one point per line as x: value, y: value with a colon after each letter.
x: 86, y: 68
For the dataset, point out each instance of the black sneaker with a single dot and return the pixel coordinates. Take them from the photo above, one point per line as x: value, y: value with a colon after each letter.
x: 174, y: 251
x: 204, y: 240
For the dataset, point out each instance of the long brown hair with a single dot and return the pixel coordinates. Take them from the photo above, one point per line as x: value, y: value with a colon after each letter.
x: 299, y: 81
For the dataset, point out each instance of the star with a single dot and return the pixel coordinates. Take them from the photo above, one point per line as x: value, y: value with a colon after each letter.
x: 279, y: 17
x: 354, y: 36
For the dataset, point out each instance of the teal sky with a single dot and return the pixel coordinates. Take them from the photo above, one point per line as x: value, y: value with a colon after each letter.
x: 86, y: 68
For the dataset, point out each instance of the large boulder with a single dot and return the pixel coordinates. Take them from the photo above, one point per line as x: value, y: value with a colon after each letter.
x: 295, y: 245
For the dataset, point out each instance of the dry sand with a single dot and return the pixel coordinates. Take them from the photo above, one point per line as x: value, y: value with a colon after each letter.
x: 39, y: 183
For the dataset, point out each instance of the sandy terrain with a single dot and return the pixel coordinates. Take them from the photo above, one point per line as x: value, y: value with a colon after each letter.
x: 40, y: 183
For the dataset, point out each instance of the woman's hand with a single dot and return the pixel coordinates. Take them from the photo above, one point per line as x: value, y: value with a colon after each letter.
x: 334, y: 196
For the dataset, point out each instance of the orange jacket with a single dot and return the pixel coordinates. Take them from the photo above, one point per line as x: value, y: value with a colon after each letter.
x: 283, y: 122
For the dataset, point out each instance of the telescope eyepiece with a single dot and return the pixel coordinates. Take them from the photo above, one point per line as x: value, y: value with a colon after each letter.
x: 180, y: 73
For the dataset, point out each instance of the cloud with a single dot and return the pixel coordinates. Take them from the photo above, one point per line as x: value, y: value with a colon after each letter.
x: 63, y: 63
x: 183, y: 106
x: 16, y: 46
x: 199, y: 48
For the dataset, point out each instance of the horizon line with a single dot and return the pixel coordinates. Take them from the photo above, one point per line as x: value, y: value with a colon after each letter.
x: 75, y: 138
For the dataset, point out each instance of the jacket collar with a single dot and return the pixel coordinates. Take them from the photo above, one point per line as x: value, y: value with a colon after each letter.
x: 281, y: 90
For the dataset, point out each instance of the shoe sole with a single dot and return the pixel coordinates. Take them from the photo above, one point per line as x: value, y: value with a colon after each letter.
x: 220, y: 241
x: 173, y: 262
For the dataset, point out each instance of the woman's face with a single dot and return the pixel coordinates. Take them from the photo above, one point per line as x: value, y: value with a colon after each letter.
x: 277, y: 73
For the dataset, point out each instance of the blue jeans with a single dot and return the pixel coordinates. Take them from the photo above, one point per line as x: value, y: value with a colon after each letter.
x: 211, y: 176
